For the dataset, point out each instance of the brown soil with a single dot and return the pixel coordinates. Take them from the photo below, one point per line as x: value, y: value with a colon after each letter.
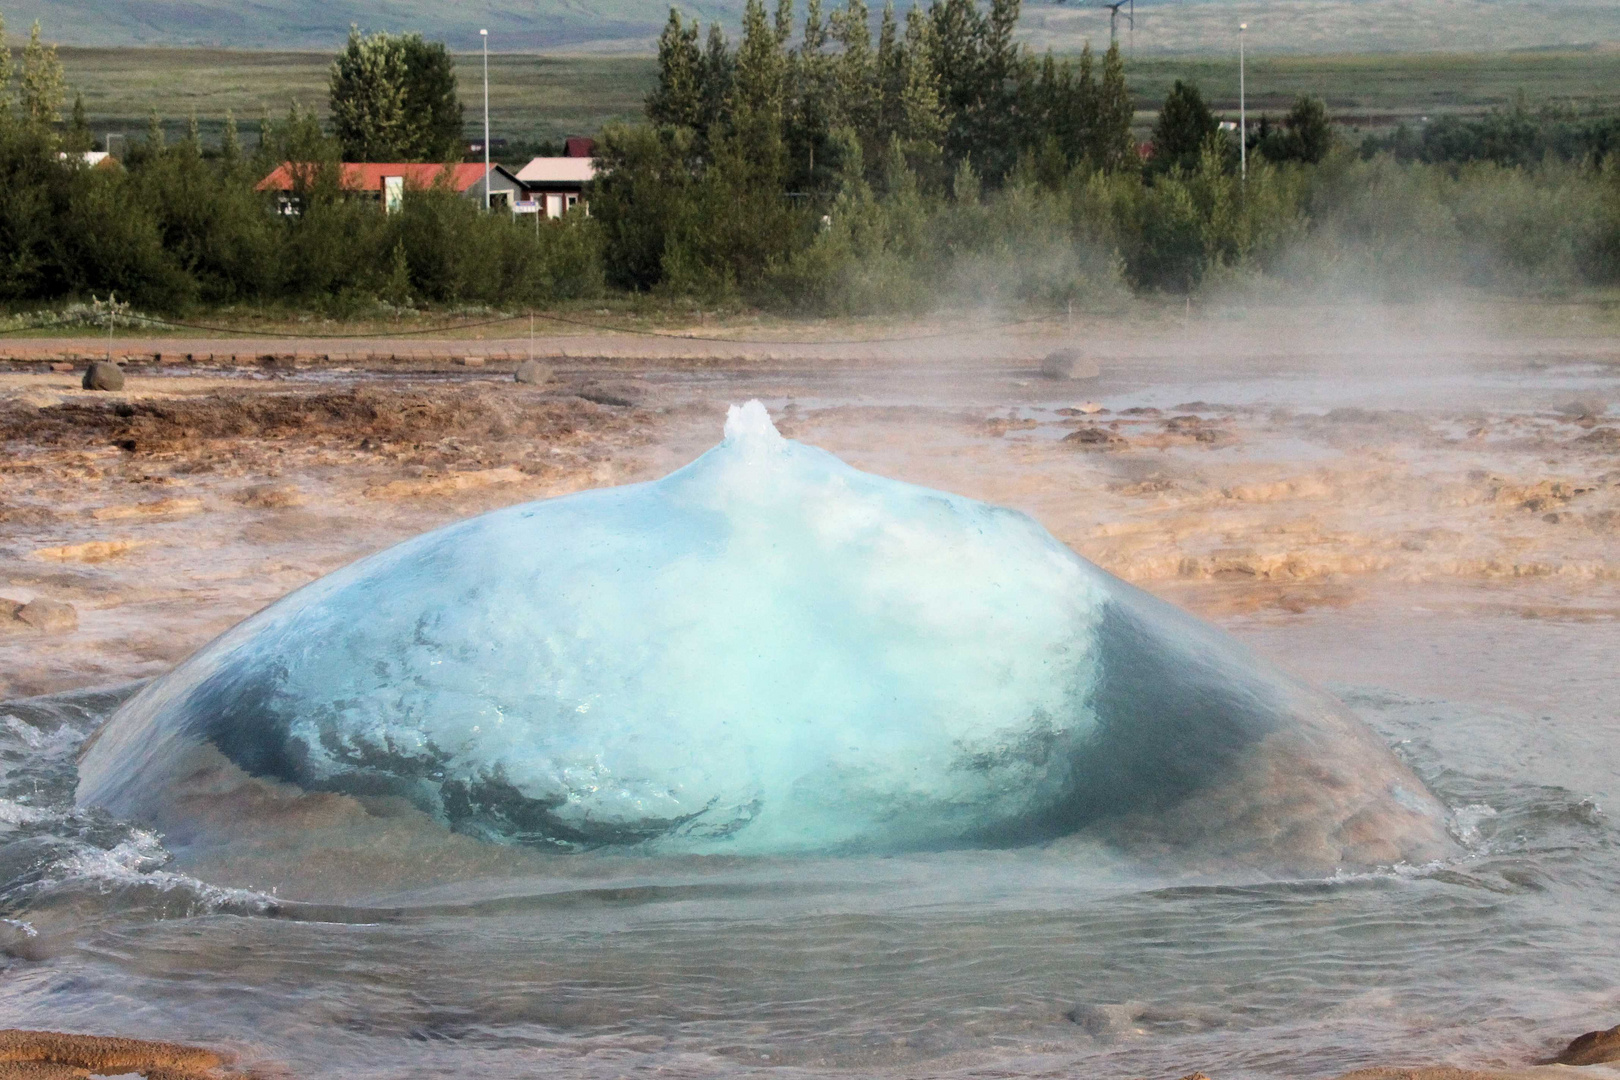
x: 374, y: 419
x: 167, y: 511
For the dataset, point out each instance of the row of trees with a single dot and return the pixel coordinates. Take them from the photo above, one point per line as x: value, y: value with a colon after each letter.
x: 176, y: 227
x: 822, y: 172
x: 745, y: 146
x: 746, y: 150
x: 1186, y: 125
x: 1518, y: 135
x: 950, y: 86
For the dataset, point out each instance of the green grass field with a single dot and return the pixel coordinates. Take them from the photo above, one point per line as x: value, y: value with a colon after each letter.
x: 548, y: 97
x: 530, y: 97
x: 1393, y: 87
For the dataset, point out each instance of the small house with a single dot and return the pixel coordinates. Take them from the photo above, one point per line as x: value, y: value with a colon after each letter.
x: 386, y: 183
x: 89, y: 159
x: 555, y: 185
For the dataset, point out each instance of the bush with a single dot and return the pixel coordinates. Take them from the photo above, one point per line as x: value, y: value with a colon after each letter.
x: 642, y: 186
x: 454, y: 253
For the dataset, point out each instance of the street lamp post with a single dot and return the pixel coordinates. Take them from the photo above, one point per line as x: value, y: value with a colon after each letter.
x: 1243, y: 114
x: 484, y: 34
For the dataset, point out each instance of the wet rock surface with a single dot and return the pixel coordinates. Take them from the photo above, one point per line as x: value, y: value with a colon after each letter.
x: 46, y: 1055
x: 1069, y: 364
x: 1193, y: 492
x: 1593, y: 1048
x: 195, y: 497
x: 48, y: 616
x: 533, y: 373
x: 103, y: 375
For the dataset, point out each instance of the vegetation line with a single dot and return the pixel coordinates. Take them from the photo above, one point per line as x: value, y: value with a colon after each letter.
x: 154, y: 321
x: 806, y: 168
x: 606, y: 327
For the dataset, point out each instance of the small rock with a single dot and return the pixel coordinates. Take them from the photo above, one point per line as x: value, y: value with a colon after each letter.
x: 997, y: 426
x: 1584, y: 408
x: 1103, y: 1020
x: 1092, y: 436
x: 49, y: 616
x: 602, y: 397
x: 271, y: 496
x: 1593, y: 1048
x: 533, y: 373
x: 103, y: 375
x: 1069, y: 364
x: 1607, y: 437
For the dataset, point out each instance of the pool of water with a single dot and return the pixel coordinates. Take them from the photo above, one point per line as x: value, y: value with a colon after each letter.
x: 1057, y: 958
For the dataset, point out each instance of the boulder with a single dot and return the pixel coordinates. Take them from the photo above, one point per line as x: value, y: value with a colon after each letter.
x: 273, y: 496
x: 1069, y: 364
x: 533, y: 373
x: 1583, y: 408
x: 1091, y: 435
x: 103, y: 375
x: 603, y: 397
x: 49, y: 616
x: 1593, y: 1048
x: 1110, y: 1019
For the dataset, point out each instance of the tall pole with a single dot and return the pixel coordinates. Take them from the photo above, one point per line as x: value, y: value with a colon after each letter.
x: 485, y: 35
x: 1243, y: 113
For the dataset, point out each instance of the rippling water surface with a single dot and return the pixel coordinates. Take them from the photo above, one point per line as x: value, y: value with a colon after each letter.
x: 962, y: 963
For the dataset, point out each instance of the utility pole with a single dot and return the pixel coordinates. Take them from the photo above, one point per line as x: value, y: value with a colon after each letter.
x: 484, y: 34
x: 1243, y: 115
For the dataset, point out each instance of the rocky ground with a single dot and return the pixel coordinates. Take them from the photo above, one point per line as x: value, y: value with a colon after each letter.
x: 136, y: 524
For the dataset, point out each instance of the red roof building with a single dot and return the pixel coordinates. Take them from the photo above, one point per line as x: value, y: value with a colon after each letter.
x: 387, y: 182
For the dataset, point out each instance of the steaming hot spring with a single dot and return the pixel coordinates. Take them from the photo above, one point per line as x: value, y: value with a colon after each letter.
x: 765, y: 653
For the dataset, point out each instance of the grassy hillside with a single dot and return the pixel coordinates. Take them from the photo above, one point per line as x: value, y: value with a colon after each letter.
x: 1163, y: 26
x: 548, y: 97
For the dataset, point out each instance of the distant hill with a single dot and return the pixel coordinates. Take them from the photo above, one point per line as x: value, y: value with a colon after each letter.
x: 1162, y: 26
x: 521, y: 25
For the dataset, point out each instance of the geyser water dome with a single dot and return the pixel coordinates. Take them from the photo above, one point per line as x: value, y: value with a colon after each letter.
x: 765, y: 652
